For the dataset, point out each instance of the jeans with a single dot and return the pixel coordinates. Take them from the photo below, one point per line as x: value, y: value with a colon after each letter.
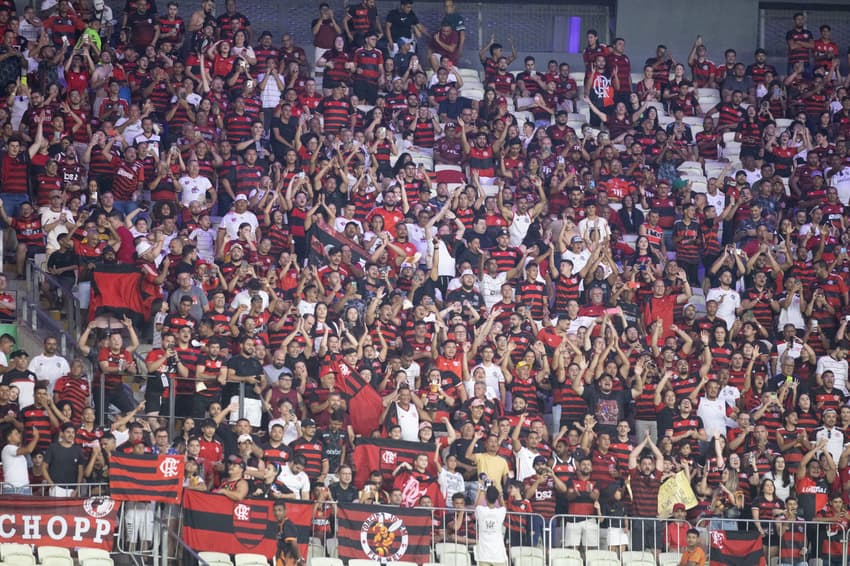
x: 9, y: 489
x: 125, y: 207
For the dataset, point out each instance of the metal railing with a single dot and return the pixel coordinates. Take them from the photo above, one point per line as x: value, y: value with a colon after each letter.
x: 84, y: 490
x: 68, y: 328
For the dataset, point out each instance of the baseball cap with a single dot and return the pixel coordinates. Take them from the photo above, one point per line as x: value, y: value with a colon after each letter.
x: 208, y: 422
x: 240, y: 197
x: 266, y: 34
x: 467, y: 272
x: 308, y: 422
x: 504, y: 232
x: 425, y: 424
x: 539, y: 460
x: 17, y: 354
x: 244, y: 438
x: 576, y: 239
x: 143, y: 247
x: 451, y: 125
x: 679, y: 507
x: 233, y: 459
x: 477, y: 403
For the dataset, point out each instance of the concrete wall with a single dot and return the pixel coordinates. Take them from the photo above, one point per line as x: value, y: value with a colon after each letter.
x: 722, y: 24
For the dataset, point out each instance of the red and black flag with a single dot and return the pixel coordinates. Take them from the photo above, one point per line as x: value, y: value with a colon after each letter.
x: 384, y: 454
x: 117, y: 290
x: 383, y: 534
x: 364, y: 403
x: 146, y: 477
x: 214, y: 523
x: 736, y: 548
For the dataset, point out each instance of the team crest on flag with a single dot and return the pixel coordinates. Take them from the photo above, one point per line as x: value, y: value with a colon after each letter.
x: 250, y: 521
x: 383, y: 537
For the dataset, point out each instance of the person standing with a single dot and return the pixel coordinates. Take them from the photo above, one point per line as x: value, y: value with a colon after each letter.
x: 14, y: 458
x: 64, y: 460
x: 645, y: 478
x: 246, y: 368
x: 49, y: 366
x: 490, y: 520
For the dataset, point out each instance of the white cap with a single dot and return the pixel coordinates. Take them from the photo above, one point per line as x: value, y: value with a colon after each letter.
x: 143, y: 246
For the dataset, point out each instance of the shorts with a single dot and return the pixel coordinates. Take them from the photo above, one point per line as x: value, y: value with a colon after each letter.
x: 617, y: 537
x: 252, y: 410
x: 584, y: 533
x: 138, y: 522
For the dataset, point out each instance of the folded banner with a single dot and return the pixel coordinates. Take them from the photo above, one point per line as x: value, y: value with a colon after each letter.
x: 214, y: 523
x: 66, y: 522
x: 119, y: 290
x: 146, y: 477
x: 383, y: 534
x: 364, y: 403
x: 736, y: 548
x: 384, y: 454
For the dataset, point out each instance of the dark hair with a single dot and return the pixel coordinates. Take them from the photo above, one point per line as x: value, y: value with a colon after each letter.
x: 491, y: 495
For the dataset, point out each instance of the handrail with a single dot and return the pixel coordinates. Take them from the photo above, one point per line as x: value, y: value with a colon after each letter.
x: 37, y: 316
x: 168, y: 530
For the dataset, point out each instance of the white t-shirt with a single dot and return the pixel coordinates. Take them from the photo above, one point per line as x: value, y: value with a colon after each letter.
x: 15, y: 471
x: 205, y: 240
x: 713, y: 415
x: 493, y: 376
x: 49, y: 368
x: 525, y: 463
x: 194, y: 189
x: 491, y: 537
x: 298, y: 484
x: 731, y: 300
x: 491, y: 288
x: 828, y: 363
x: 409, y: 422
x: 231, y: 221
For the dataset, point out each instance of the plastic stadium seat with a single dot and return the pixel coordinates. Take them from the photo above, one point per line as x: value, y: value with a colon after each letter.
x: 9, y: 548
x: 251, y: 559
x: 456, y: 559
x: 783, y: 123
x: 690, y: 168
x: 603, y: 562
x: 527, y: 556
x: 86, y: 553
x: 669, y: 558
x: 566, y: 561
x: 324, y: 561
x: 216, y: 558
x: 600, y: 555
x: 21, y: 559
x: 637, y: 556
x: 57, y: 561
x: 444, y: 547
x: 402, y: 563
x: 47, y: 551
x: 97, y: 561
x: 363, y: 562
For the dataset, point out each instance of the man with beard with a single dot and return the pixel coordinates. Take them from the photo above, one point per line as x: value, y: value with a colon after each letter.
x: 415, y: 481
x: 211, y: 374
x: 607, y: 405
x: 245, y: 369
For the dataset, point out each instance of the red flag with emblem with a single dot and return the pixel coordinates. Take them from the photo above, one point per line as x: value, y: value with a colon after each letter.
x: 384, y: 454
x: 146, y: 477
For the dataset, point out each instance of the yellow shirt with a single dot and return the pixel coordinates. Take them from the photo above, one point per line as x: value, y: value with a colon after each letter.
x: 495, y: 467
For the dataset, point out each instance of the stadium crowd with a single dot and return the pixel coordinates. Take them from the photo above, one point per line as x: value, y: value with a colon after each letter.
x: 575, y: 285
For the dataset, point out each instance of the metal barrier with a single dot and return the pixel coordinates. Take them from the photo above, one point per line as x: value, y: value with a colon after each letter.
x: 93, y: 489
x: 791, y: 542
x: 609, y: 532
x: 143, y: 531
x: 37, y: 317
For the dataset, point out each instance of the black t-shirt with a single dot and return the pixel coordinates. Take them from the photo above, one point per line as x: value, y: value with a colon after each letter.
x: 401, y: 24
x: 343, y: 495
x: 60, y: 259
x: 62, y: 463
x: 244, y: 367
x: 608, y: 408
